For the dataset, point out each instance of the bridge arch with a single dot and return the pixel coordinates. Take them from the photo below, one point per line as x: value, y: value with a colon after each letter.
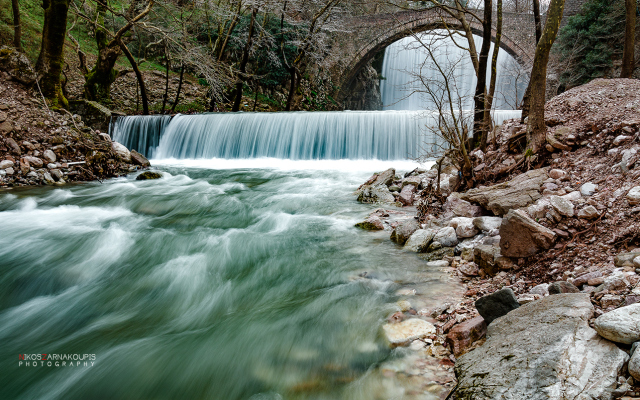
x: 372, y: 40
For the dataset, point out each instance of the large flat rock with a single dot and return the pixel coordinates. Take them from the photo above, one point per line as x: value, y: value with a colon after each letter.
x: 543, y: 350
x: 521, y: 236
x: 519, y: 192
x: 405, y: 332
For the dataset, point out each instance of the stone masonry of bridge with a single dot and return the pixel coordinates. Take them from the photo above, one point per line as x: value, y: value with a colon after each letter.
x: 373, y: 33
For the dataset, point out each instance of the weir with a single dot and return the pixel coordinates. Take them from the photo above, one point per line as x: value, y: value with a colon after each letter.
x: 405, y: 129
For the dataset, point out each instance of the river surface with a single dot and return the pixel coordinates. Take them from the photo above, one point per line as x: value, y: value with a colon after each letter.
x: 222, y: 280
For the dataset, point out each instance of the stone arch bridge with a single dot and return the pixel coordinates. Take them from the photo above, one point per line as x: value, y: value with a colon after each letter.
x: 371, y: 34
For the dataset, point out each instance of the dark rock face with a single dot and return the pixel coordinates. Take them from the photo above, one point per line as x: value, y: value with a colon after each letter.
x: 497, y: 304
x: 146, y: 175
x: 543, y: 350
x: 562, y: 287
x: 365, y: 91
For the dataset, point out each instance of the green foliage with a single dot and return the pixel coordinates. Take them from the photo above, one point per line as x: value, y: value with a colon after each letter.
x: 590, y: 41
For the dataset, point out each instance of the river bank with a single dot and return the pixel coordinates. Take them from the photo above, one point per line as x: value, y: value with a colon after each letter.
x: 568, y: 225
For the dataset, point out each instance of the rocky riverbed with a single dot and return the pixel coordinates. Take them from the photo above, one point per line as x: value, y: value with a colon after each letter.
x: 549, y: 253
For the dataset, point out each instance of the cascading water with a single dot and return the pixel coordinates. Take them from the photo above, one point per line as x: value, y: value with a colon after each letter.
x: 414, y: 76
x: 140, y: 133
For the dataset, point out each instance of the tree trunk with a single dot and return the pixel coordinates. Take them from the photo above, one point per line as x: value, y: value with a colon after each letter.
x: 51, y: 58
x: 481, y: 86
x: 165, y: 97
x: 136, y: 70
x: 17, y: 31
x: 99, y: 79
x: 494, y: 76
x: 536, y: 18
x: 536, y: 128
x: 292, y: 88
x: 175, y: 103
x: 243, y: 63
x: 629, y: 39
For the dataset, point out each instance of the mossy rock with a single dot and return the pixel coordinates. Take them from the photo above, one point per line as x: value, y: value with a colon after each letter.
x: 437, y: 254
x: 148, y: 175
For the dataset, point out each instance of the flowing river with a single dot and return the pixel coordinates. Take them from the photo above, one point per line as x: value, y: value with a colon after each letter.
x: 222, y: 280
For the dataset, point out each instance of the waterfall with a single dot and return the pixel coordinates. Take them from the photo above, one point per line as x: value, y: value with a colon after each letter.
x: 141, y: 133
x: 408, y: 69
x: 355, y: 135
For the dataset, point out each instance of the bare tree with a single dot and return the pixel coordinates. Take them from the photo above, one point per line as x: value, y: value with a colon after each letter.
x: 17, y: 31
x: 536, y: 128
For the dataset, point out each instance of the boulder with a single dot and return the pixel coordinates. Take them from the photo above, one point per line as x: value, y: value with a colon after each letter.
x: 588, y: 212
x: 49, y: 156
x: 621, y: 325
x: 464, y: 227
x: 634, y: 365
x: 584, y: 278
x: 446, y: 237
x: 403, y: 232
x: 13, y: 146
x: 541, y: 289
x: 520, y: 236
x: 403, y: 333
x: 487, y: 224
x: 121, y: 151
x: 420, y: 240
x: 139, y: 159
x: 372, y: 223
x: 33, y: 161
x: 558, y: 174
x: 562, y: 287
x: 625, y: 259
x: 486, y: 258
x: 521, y: 191
x: 147, y: 175
x: 4, y: 164
x: 376, y: 194
x: 588, y: 189
x: 562, y: 206
x: 382, y: 178
x: 461, y: 208
x: 497, y: 304
x: 543, y: 350
x: 464, y: 334
x: 17, y: 65
x: 634, y: 196
x: 406, y: 195
x: 105, y: 137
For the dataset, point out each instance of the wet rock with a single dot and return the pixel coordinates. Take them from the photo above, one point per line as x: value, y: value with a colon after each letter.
x: 461, y: 336
x: 621, y: 325
x: 49, y: 156
x: 558, y: 174
x: 403, y: 333
x: 446, y: 237
x: 496, y: 304
x: 48, y: 179
x: 121, y: 151
x: 382, y: 178
x: 520, y: 236
x: 464, y: 227
x: 562, y: 287
x: 634, y: 196
x: 521, y: 191
x: 588, y: 212
x: 13, y: 146
x: 6, y: 164
x: 461, y: 208
x: 33, y: 161
x: 146, y: 175
x: 372, y: 223
x: 543, y: 350
x: 406, y: 195
x: 588, y: 189
x: 437, y: 254
x: 403, y: 232
x: 376, y: 194
x: 420, y: 240
x: 438, y: 264
x: 562, y: 206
